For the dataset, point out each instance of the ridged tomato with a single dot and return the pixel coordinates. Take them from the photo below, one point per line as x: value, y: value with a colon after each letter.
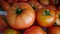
x: 21, y: 16
x: 35, y: 30
x: 46, y: 17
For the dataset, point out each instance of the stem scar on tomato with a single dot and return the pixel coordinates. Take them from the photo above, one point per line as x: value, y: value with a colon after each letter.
x: 47, y: 12
x: 18, y: 11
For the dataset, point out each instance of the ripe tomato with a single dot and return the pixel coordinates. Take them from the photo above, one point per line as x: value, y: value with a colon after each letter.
x: 57, y: 17
x: 54, y: 2
x: 10, y: 31
x: 5, y: 5
x: 35, y: 5
x: 54, y: 30
x: 21, y: 16
x: 34, y: 30
x: 45, y: 17
x: 44, y: 2
x: 3, y: 24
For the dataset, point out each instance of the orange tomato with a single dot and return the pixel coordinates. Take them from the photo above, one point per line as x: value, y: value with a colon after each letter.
x: 46, y: 17
x: 21, y: 16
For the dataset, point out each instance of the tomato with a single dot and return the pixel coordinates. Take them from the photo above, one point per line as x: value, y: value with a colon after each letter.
x: 35, y: 5
x: 54, y: 30
x: 3, y: 24
x: 46, y: 17
x: 54, y: 2
x: 35, y: 30
x: 10, y: 31
x: 21, y: 16
x: 57, y: 17
x: 44, y: 2
x: 5, y: 5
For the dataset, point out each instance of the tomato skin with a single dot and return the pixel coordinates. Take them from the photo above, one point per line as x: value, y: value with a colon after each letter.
x: 44, y: 2
x: 46, y: 18
x: 57, y: 18
x: 10, y: 31
x: 34, y: 30
x: 54, y: 2
x: 51, y: 7
x: 54, y: 30
x: 3, y: 24
x: 24, y: 20
x: 35, y: 5
x: 5, y: 5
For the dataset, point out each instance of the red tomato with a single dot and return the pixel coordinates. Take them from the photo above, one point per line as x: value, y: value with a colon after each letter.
x: 54, y: 30
x: 3, y: 24
x: 34, y: 30
x: 21, y: 16
x: 10, y: 31
x: 46, y: 17
x: 5, y: 5
x: 35, y: 5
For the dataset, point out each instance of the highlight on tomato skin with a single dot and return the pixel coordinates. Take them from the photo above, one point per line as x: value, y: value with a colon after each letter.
x: 46, y: 17
x: 35, y: 30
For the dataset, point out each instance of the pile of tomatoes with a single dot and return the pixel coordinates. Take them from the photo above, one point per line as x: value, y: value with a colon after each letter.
x: 30, y: 17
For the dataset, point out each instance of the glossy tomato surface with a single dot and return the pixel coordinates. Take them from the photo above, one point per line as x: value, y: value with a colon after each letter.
x: 35, y: 30
x: 21, y: 16
x: 45, y: 17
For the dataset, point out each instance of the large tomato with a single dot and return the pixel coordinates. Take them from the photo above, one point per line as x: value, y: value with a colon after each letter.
x: 21, y: 16
x: 44, y: 2
x: 45, y: 17
x: 57, y: 17
x: 35, y: 30
x: 54, y: 30
x: 3, y: 24
x: 10, y: 31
